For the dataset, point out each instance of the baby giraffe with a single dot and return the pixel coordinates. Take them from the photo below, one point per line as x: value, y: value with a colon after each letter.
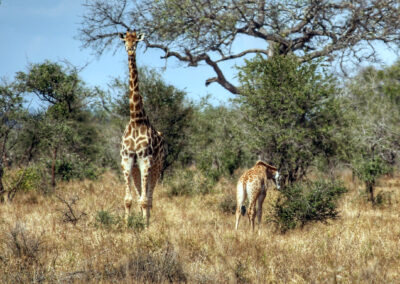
x: 254, y: 184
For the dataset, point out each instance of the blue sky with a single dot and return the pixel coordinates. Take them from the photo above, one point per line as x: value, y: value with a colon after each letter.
x: 32, y: 31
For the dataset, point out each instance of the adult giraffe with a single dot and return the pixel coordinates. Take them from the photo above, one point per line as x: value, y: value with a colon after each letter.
x: 142, y: 149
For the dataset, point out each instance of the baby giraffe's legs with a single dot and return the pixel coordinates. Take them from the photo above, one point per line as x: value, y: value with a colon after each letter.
x: 260, y: 201
x: 252, y: 209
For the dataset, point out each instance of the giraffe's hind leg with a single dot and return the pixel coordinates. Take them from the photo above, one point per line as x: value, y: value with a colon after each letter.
x: 252, y: 209
x: 260, y: 201
x: 240, y: 199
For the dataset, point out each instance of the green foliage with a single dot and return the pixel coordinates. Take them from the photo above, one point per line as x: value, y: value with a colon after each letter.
x: 374, y: 99
x: 104, y: 218
x: 188, y: 181
x: 215, y: 145
x: 305, y: 202
x: 72, y: 167
x: 136, y: 222
x: 291, y: 113
x: 27, y: 179
x: 65, y: 134
x: 11, y: 112
x: 60, y: 86
x: 370, y: 170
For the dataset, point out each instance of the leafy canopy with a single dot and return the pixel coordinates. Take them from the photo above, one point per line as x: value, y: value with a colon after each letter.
x: 291, y: 113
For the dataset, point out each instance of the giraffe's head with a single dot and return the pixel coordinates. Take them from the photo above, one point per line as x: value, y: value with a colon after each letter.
x: 131, y: 39
x: 272, y: 173
x: 277, y: 180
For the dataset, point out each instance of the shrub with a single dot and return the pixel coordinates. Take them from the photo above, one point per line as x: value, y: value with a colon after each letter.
x: 228, y: 203
x: 24, y: 179
x: 104, y: 218
x: 155, y: 267
x: 24, y: 261
x: 188, y: 182
x: 136, y: 222
x: 72, y: 167
x: 305, y: 202
x: 27, y: 179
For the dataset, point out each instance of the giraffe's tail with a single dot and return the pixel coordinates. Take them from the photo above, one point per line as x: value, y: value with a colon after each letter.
x: 243, y: 210
x: 241, y: 197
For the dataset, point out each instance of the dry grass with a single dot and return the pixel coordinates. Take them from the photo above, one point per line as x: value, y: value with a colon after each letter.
x: 191, y: 240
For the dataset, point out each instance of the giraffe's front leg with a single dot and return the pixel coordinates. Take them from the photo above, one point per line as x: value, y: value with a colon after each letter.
x: 137, y: 184
x: 145, y: 198
x: 127, y: 171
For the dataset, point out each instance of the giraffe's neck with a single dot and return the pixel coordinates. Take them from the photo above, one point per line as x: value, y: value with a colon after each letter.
x: 137, y: 113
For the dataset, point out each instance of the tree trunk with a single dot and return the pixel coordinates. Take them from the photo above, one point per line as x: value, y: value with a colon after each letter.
x: 53, y: 169
x: 2, y: 190
x: 370, y: 191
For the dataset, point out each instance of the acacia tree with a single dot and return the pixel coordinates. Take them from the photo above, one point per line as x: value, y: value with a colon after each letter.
x: 376, y: 100
x: 10, y: 113
x: 65, y: 128
x: 292, y: 113
x: 210, y: 31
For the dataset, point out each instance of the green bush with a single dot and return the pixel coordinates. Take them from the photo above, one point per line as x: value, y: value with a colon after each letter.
x: 305, y: 202
x: 26, y: 179
x: 136, y: 222
x: 188, y: 182
x: 104, y: 218
x: 72, y: 167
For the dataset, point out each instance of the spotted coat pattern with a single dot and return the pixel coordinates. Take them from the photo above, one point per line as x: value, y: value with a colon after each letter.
x: 254, y: 184
x: 142, y: 147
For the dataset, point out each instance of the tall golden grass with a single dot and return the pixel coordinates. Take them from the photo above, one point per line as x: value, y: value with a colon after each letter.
x: 191, y: 240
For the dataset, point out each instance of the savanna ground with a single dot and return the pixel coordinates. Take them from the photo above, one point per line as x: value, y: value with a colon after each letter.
x: 191, y: 239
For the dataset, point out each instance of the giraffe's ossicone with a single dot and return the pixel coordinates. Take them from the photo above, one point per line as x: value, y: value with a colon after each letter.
x: 142, y: 149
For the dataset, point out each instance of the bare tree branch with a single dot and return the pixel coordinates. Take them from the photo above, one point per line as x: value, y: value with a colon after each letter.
x: 211, y: 31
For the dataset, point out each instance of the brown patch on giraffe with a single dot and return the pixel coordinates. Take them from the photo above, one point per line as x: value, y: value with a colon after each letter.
x: 143, y: 129
x: 136, y: 99
x: 142, y: 145
x: 140, y: 121
x: 128, y: 131
x: 131, y: 147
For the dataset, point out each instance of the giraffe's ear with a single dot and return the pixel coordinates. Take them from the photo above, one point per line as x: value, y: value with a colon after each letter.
x: 121, y: 36
x: 140, y: 37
